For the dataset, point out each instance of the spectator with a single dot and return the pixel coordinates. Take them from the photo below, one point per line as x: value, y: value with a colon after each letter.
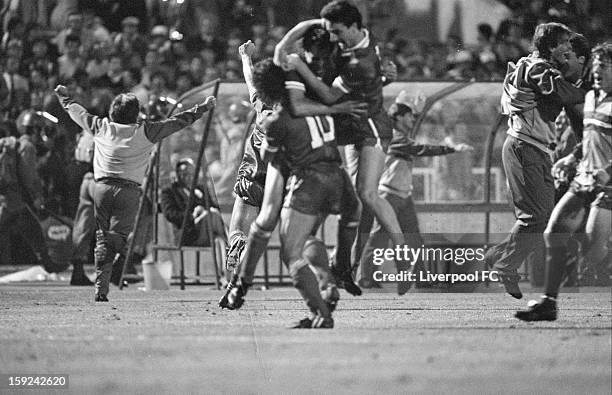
x: 74, y: 27
x: 71, y: 60
x: 18, y: 87
x: 508, y: 42
x: 231, y: 135
x: 152, y: 63
x: 184, y: 82
x: 14, y: 49
x: 20, y: 195
x: 131, y: 80
x: 99, y: 63
x: 196, y: 69
x: 113, y: 79
x: 206, y: 39
x: 159, y: 85
x: 63, y: 9
x: 15, y: 30
x: 174, y: 200
x: 38, y: 88
x: 487, y: 62
x: 95, y: 25
x: 41, y: 58
x: 130, y: 41
x: 51, y: 170
x: 159, y: 38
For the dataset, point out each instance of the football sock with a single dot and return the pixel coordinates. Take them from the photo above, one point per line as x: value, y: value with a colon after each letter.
x: 306, y: 283
x: 555, y: 270
x: 346, y: 238
x: 315, y: 253
x: 255, y: 247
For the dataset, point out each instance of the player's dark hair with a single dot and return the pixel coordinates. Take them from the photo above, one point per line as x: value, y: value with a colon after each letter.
x: 342, y: 11
x: 269, y: 81
x: 548, y: 35
x: 580, y: 46
x: 316, y: 37
x: 124, y: 109
x: 603, y: 50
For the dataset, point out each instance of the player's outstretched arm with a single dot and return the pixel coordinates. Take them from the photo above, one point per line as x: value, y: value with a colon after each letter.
x: 302, y: 106
x: 246, y: 51
x: 156, y: 131
x: 327, y: 94
x: 291, y: 37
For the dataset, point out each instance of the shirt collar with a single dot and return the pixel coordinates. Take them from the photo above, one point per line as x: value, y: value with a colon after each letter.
x: 364, y: 43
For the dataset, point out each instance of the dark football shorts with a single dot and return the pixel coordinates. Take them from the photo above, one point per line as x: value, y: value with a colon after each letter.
x: 593, y: 195
x: 322, y: 190
x: 251, y: 192
x: 375, y: 130
x: 603, y: 199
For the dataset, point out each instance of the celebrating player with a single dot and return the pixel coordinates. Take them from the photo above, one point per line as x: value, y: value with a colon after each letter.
x: 534, y: 93
x: 591, y: 186
x: 315, y: 188
x: 252, y: 175
x: 358, y: 68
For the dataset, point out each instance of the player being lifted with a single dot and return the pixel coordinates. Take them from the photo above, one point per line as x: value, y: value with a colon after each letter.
x: 316, y: 185
x: 359, y: 77
x: 249, y: 186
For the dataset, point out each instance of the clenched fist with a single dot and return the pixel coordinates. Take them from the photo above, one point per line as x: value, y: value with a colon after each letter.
x: 61, y: 90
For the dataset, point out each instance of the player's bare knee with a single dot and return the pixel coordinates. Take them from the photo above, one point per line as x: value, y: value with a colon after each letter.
x: 266, y: 220
x: 368, y: 196
x: 259, y: 231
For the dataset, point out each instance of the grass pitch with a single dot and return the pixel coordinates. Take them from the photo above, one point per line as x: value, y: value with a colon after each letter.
x: 179, y: 342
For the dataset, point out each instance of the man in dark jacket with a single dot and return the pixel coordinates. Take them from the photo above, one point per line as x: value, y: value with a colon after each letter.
x: 174, y: 199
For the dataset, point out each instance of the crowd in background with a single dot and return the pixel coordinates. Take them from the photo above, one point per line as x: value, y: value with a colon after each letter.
x: 155, y: 48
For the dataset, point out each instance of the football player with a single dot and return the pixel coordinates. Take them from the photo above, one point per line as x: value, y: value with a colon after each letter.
x: 316, y: 187
x: 358, y: 67
x: 252, y: 176
x: 591, y: 186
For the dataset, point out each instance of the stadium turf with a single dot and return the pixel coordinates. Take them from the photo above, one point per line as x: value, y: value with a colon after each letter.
x: 180, y: 342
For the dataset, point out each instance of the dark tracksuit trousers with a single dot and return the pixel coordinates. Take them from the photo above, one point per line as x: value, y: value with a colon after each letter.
x: 116, y: 204
x: 532, y: 191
